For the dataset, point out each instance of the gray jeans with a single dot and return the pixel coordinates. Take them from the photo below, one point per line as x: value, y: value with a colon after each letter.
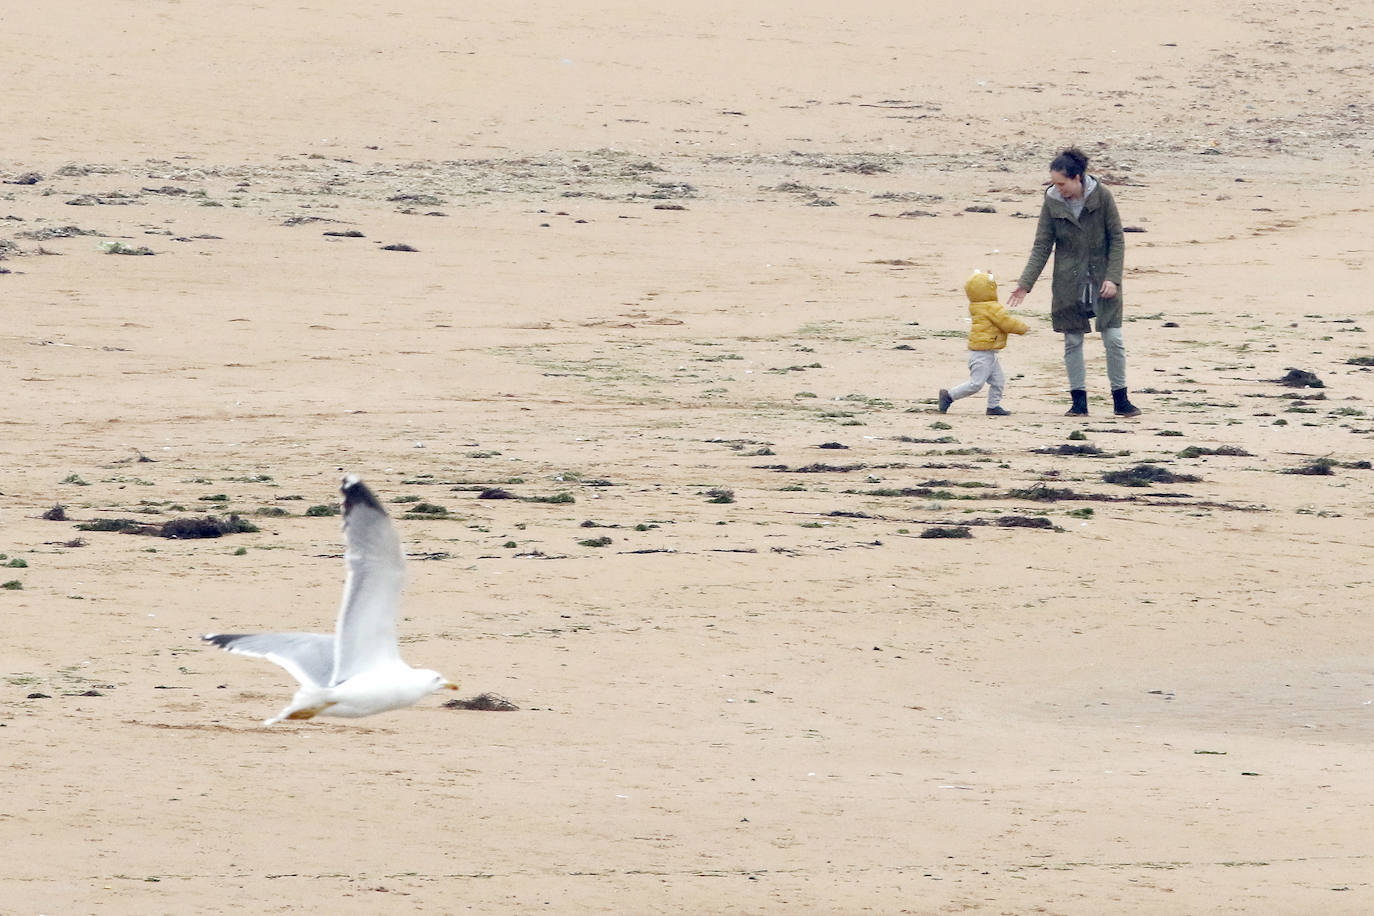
x: 983, y: 369
x: 1115, y: 345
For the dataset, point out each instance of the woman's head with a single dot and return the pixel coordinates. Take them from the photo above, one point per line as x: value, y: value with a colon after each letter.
x: 1066, y: 172
x: 1072, y: 162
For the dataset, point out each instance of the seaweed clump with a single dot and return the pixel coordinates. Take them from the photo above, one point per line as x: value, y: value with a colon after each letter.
x: 956, y: 531
x: 1024, y: 521
x: 1143, y: 475
x: 1194, y: 451
x: 177, y: 528
x: 1301, y: 378
x: 484, y: 702
x: 208, y: 527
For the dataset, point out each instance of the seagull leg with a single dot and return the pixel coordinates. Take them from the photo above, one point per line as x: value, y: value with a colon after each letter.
x: 298, y: 712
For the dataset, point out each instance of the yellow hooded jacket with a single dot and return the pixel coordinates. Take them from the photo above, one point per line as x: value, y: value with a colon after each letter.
x: 991, y: 322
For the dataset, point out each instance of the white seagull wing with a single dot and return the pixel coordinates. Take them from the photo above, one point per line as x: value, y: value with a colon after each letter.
x: 309, y: 657
x: 366, y: 631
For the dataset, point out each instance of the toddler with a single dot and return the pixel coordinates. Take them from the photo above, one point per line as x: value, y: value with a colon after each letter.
x: 991, y: 325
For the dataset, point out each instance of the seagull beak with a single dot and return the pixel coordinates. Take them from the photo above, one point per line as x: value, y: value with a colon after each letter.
x: 449, y: 685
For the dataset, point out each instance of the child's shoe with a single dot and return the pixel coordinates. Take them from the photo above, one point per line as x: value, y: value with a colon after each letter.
x: 998, y: 412
x: 945, y: 400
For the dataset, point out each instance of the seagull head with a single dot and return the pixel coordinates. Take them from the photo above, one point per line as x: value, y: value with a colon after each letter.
x: 437, y: 681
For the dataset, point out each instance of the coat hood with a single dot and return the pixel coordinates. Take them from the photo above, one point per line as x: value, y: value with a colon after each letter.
x: 981, y: 287
x: 1089, y: 185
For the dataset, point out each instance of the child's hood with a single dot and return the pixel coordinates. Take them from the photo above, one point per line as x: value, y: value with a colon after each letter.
x: 981, y: 287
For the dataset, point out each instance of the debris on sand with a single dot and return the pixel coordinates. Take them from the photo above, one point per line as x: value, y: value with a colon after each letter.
x: 58, y: 513
x: 1040, y: 493
x: 1068, y: 450
x: 1143, y: 475
x: 208, y: 527
x: 112, y: 199
x: 121, y: 248
x: 426, y: 510
x: 177, y: 528
x: 556, y: 498
x: 907, y: 492
x: 1024, y: 521
x: 957, y: 531
x: 496, y: 493
x: 484, y: 702
x: 399, y: 246
x: 816, y: 468
x: 1195, y: 451
x: 1300, y: 378
x: 137, y: 458
x: 602, y: 541
x: 110, y: 524
x: 419, y: 200
x: 55, y: 232
x: 1319, y: 467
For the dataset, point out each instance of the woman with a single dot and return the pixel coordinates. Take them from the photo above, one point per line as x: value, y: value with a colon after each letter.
x: 1080, y: 224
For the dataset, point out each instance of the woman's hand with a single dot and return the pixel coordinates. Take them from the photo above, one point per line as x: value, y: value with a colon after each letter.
x: 1109, y: 290
x: 1018, y: 294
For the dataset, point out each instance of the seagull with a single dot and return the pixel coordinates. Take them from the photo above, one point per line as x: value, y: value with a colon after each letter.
x: 358, y: 670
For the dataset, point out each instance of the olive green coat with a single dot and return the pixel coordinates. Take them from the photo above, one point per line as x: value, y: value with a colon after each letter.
x: 1091, y: 244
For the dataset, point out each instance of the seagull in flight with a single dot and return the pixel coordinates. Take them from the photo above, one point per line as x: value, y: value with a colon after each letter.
x: 357, y: 670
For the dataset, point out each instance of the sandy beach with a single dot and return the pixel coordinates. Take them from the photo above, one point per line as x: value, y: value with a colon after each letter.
x: 681, y: 285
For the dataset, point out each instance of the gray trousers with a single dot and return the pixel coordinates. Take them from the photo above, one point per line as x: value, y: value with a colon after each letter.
x: 1115, y: 345
x: 983, y: 369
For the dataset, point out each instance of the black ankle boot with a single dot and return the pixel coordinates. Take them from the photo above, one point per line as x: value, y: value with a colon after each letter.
x: 1080, y: 403
x: 1122, y: 405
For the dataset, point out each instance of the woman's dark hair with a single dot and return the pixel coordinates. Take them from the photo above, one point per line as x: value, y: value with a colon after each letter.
x: 1072, y: 162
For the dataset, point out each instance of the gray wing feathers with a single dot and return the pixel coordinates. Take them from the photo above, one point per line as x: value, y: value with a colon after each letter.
x: 372, y: 591
x: 309, y: 657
